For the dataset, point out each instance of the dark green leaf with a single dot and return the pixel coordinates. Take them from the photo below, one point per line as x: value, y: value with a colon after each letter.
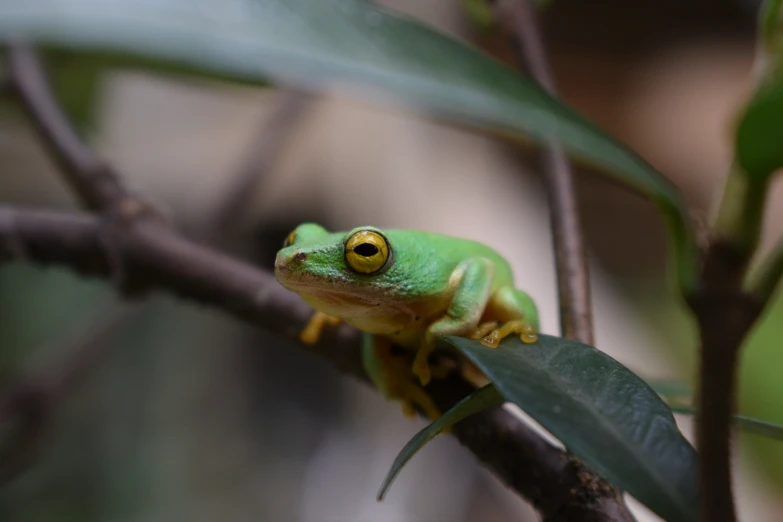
x: 479, y: 400
x: 742, y: 422
x: 760, y: 131
x: 671, y: 389
x: 602, y: 412
x: 76, y: 82
x: 323, y: 44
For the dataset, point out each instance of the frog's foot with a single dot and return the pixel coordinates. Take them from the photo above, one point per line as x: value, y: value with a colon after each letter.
x: 413, y: 398
x: 471, y: 373
x: 399, y: 385
x: 491, y: 335
x: 483, y: 329
x: 442, y: 367
x: 391, y: 374
x: 315, y: 326
x: 421, y: 365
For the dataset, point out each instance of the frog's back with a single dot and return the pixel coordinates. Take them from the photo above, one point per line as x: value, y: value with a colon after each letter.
x: 423, y: 249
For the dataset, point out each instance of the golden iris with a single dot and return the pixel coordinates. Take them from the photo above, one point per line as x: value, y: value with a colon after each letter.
x: 289, y: 240
x: 367, y: 251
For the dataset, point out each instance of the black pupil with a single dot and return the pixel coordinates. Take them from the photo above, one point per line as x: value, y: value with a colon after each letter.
x: 366, y: 250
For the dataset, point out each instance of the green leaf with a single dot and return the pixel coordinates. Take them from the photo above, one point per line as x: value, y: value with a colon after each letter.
x: 479, y: 400
x: 759, y: 137
x: 326, y: 44
x: 759, y: 141
x: 480, y: 13
x: 76, y: 82
x: 604, y: 414
x: 742, y: 422
x: 671, y: 389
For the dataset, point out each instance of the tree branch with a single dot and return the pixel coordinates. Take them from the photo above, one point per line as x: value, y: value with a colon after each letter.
x: 264, y: 151
x: 154, y: 256
x: 573, y: 282
x: 97, y: 186
x: 159, y: 257
x: 31, y: 398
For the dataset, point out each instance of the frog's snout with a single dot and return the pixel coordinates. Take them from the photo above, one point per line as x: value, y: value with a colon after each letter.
x: 289, y: 262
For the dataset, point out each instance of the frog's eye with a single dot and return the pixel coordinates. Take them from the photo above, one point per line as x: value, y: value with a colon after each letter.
x: 289, y: 240
x: 367, y: 251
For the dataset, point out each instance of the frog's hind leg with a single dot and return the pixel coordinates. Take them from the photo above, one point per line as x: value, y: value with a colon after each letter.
x: 393, y: 378
x: 516, y: 311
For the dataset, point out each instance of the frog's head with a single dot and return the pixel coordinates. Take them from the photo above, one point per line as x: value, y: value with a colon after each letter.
x: 341, y: 274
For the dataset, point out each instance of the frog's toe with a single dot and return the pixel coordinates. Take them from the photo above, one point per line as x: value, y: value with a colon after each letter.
x: 408, y: 408
x: 415, y: 398
x: 421, y: 369
x: 484, y: 329
x: 315, y: 327
x: 527, y: 334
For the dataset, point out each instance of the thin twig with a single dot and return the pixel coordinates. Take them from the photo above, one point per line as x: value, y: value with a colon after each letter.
x: 5, y: 84
x: 98, y: 187
x: 573, y: 283
x: 765, y: 279
x: 155, y: 256
x: 266, y: 146
x: 33, y: 397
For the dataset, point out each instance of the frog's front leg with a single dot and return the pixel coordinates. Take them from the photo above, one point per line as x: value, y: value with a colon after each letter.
x: 315, y: 326
x: 517, y: 312
x: 392, y: 376
x: 471, y: 284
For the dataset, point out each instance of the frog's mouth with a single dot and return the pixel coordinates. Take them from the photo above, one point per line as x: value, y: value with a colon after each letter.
x: 325, y: 294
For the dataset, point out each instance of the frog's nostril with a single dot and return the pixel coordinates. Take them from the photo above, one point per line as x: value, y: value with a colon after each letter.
x: 300, y: 257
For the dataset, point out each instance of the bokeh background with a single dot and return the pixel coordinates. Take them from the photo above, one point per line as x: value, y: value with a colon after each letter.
x: 189, y: 415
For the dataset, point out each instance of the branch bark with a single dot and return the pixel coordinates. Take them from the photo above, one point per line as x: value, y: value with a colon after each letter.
x: 154, y: 256
x: 573, y: 282
x: 98, y: 187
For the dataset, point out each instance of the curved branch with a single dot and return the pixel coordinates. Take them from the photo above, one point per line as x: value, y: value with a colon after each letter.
x: 159, y: 258
x: 97, y: 186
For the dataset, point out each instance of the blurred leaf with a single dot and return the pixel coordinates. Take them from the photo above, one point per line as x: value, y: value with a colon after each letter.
x: 760, y: 130
x: 604, y: 414
x: 324, y: 44
x: 674, y: 389
x: 479, y: 400
x: 760, y: 133
x: 480, y: 13
x: 742, y: 422
x: 77, y: 83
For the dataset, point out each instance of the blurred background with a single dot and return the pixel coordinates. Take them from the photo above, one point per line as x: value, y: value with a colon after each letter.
x: 191, y: 416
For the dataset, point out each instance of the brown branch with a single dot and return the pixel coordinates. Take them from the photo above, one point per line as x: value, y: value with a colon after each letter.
x: 559, y: 486
x: 725, y: 315
x: 266, y: 146
x: 155, y: 256
x: 519, y: 18
x: 38, y: 393
x: 573, y: 282
x: 97, y: 186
